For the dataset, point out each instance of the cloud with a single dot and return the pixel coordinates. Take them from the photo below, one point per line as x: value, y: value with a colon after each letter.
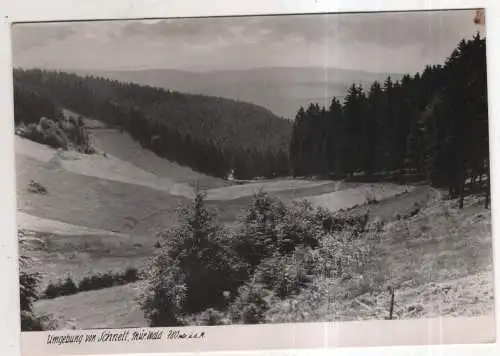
x: 370, y: 41
x: 25, y: 36
x: 385, y: 29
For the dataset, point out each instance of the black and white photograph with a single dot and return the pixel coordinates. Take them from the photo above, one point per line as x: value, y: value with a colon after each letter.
x: 222, y: 171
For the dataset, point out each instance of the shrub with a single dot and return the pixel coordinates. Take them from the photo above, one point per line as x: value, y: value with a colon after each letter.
x: 193, y: 271
x: 270, y: 227
x: 58, y: 133
x: 316, y: 303
x: 94, y: 282
x: 258, y: 238
x: 131, y: 275
x: 284, y: 274
x: 28, y: 283
x: 251, y: 304
x: 210, y: 317
x: 31, y: 322
x: 52, y: 291
x: 204, y: 275
x: 67, y: 287
x: 28, y: 294
x: 163, y: 293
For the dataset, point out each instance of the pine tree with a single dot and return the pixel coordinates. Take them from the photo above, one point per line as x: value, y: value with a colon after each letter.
x: 194, y: 269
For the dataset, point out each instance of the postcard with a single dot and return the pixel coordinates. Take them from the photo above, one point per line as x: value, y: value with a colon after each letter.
x: 271, y: 182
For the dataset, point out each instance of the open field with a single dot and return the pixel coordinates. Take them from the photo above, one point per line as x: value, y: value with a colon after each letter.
x: 238, y: 191
x: 80, y: 255
x: 122, y: 309
x: 358, y: 195
x: 37, y: 224
x: 88, y: 201
x: 123, y: 147
x: 98, y: 166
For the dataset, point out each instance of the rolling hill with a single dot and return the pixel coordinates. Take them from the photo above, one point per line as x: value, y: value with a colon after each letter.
x: 211, y: 135
x: 280, y: 89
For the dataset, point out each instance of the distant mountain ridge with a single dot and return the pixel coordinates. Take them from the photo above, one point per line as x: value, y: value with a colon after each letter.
x: 283, y: 90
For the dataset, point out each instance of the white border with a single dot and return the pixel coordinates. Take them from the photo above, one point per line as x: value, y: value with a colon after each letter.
x: 36, y: 10
x: 25, y: 10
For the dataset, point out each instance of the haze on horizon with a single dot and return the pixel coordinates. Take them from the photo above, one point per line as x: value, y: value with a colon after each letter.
x: 401, y: 42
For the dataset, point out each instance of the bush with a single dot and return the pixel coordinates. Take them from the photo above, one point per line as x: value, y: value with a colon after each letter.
x: 194, y: 270
x: 251, y: 304
x: 210, y: 317
x: 258, y: 237
x: 31, y: 322
x: 58, y: 133
x: 94, y: 282
x: 270, y: 227
x: 131, y: 275
x: 284, y: 274
x: 28, y: 284
x: 203, y: 275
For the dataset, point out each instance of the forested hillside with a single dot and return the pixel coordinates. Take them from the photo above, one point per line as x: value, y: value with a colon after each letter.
x: 429, y: 126
x: 209, y: 134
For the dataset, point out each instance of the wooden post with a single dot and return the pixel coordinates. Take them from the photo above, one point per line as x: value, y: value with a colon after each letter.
x: 391, y: 309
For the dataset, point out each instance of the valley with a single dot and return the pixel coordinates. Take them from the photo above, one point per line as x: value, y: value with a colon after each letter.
x: 103, y: 214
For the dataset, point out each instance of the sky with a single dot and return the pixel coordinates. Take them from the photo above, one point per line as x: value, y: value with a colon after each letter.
x: 376, y: 42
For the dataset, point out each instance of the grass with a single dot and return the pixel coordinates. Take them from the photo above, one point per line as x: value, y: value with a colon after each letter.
x: 402, y: 204
x: 123, y: 147
x: 92, y: 202
x: 238, y: 191
x: 439, y: 262
x: 79, y: 256
x: 230, y: 210
x: 37, y: 224
x: 111, y: 307
x: 356, y: 196
x: 102, y: 166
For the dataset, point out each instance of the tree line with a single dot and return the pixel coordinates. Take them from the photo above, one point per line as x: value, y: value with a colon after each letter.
x: 431, y: 126
x: 212, y: 135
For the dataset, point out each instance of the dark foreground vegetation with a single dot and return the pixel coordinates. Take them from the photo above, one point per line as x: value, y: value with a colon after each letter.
x: 432, y: 126
x: 209, y: 275
x: 28, y: 284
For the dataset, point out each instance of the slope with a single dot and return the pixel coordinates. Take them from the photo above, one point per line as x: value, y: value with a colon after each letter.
x: 90, y: 200
x: 209, y: 134
x: 438, y: 261
x: 123, y: 147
